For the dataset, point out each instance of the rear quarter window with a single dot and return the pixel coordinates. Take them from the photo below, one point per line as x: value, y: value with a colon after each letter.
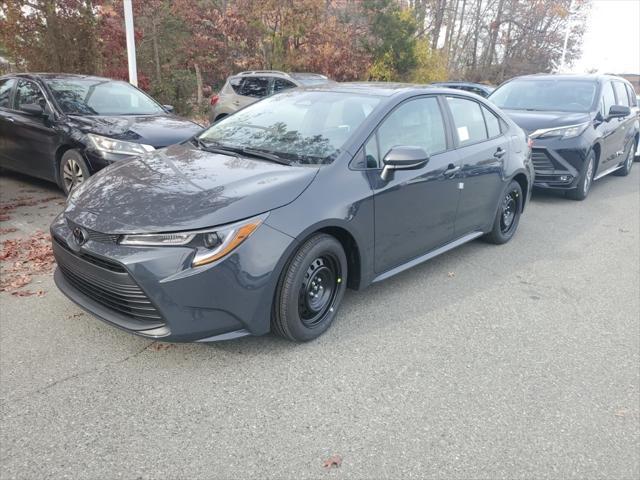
x: 622, y: 98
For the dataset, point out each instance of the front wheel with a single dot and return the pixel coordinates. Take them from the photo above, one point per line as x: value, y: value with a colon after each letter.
x: 73, y: 170
x: 310, y: 290
x: 507, y: 217
x: 586, y: 180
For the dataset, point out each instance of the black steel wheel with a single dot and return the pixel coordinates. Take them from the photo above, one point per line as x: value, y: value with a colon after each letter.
x: 507, y: 217
x: 310, y: 289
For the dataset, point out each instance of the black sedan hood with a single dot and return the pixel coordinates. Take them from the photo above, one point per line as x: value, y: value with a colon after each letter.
x: 530, y: 121
x: 155, y: 130
x: 183, y: 188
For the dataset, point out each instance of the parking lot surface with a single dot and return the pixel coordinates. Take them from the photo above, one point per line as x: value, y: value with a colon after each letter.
x: 514, y: 361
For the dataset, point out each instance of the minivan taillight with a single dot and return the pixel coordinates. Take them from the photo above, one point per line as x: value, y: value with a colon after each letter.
x: 214, y: 100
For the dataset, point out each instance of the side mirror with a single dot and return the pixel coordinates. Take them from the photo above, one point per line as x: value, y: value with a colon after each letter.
x: 33, y: 109
x: 403, y: 158
x: 169, y: 108
x: 618, y: 111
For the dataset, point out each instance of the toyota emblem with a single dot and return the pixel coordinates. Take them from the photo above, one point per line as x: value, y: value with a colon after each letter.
x: 79, y: 236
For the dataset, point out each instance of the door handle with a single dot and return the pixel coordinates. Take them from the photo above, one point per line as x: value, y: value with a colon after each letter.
x: 499, y: 153
x: 451, y: 170
x: 12, y: 120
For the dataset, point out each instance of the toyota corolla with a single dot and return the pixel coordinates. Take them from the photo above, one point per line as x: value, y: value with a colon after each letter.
x: 263, y: 220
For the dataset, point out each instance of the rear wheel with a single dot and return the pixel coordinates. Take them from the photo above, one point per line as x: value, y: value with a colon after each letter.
x: 73, y: 170
x: 586, y: 180
x: 628, y: 163
x: 507, y: 217
x: 310, y: 289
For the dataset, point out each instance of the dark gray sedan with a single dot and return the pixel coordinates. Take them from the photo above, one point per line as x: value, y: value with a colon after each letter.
x: 262, y: 221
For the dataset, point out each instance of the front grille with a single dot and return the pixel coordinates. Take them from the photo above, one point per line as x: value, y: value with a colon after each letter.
x: 94, y: 234
x: 94, y: 259
x: 115, y: 290
x: 541, y: 161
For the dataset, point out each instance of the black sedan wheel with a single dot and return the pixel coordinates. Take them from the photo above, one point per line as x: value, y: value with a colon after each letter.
x: 73, y: 170
x: 310, y: 289
x: 507, y: 217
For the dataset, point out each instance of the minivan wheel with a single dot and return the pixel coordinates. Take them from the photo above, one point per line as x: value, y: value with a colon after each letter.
x: 507, y: 217
x: 73, y: 170
x: 628, y: 163
x: 310, y: 289
x: 586, y: 180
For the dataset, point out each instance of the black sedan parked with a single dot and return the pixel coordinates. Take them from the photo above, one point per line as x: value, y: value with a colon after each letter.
x: 262, y: 221
x: 583, y: 127
x: 64, y: 127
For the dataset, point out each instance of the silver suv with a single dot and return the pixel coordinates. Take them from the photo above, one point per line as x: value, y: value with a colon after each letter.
x: 247, y: 87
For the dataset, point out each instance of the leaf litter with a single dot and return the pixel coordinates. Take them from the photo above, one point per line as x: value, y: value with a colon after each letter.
x: 21, y: 258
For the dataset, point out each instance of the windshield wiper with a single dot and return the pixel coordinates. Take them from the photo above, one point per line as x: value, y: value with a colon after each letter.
x: 266, y: 155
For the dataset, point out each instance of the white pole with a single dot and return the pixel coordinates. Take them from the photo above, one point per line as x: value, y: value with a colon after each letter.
x: 566, y: 37
x: 131, y: 43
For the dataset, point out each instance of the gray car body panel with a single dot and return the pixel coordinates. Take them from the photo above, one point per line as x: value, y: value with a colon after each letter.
x: 184, y: 188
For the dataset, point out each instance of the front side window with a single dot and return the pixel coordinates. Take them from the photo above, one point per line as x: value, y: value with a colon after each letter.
x: 305, y: 127
x: 416, y: 123
x: 621, y: 94
x: 86, y: 96
x: 28, y: 93
x: 559, y: 95
x: 256, y: 87
x: 468, y: 120
x: 5, y: 92
x: 608, y: 98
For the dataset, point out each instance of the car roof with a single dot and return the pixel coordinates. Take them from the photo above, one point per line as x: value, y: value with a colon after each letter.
x: 56, y: 76
x: 383, y: 89
x: 594, y: 77
x: 462, y: 82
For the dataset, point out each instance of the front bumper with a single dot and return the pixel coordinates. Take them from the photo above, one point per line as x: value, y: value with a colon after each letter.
x: 154, y: 292
x: 558, y: 164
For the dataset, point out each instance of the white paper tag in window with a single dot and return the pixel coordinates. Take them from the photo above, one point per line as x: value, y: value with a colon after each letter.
x: 463, y: 134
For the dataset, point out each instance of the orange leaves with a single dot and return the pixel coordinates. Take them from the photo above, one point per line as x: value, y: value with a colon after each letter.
x: 23, y: 257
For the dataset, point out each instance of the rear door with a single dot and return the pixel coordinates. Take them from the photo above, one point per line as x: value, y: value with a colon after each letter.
x: 626, y: 125
x: 482, y: 149
x: 6, y: 120
x: 608, y: 129
x: 414, y: 209
x: 33, y: 141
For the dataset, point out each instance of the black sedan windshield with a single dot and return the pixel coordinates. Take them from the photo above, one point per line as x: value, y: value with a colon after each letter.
x: 301, y: 126
x: 101, y: 97
x: 546, y: 95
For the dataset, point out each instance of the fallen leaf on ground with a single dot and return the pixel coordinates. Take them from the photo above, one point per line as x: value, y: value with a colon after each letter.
x: 76, y: 315
x: 29, y: 293
x: 4, y: 218
x: 332, y: 461
x: 20, y: 258
x: 451, y: 274
x: 4, y: 231
x: 157, y: 346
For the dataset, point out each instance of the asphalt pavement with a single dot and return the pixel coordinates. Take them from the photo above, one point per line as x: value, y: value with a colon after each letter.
x: 514, y: 361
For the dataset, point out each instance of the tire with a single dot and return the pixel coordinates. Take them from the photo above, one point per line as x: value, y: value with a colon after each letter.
x: 310, y: 289
x: 507, y: 216
x: 628, y: 163
x: 586, y: 179
x: 72, y: 170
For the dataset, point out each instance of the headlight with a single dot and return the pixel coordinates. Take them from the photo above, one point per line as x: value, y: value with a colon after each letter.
x: 210, y: 245
x: 570, y: 131
x: 110, y: 145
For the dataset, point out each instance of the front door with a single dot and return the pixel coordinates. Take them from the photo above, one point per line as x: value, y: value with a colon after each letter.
x: 415, y: 210
x: 610, y: 131
x: 33, y: 140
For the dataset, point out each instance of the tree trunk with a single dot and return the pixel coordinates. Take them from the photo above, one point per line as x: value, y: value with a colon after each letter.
x: 198, y: 83
x: 156, y: 52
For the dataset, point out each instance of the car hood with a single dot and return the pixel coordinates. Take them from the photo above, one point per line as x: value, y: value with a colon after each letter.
x: 155, y: 130
x: 531, y: 121
x: 183, y: 188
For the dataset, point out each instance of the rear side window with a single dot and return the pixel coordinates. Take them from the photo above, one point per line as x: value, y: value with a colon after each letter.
x: 279, y: 84
x: 257, y: 87
x: 493, y: 124
x: 468, y: 120
x: 416, y: 123
x: 28, y: 93
x: 5, y: 92
x: 621, y: 94
x: 608, y: 98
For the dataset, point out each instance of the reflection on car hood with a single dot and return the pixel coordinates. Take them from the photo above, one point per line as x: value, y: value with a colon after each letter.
x: 183, y: 188
x: 531, y: 121
x: 156, y: 130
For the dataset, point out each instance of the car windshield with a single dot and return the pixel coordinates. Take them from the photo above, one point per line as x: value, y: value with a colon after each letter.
x: 101, y: 97
x: 307, y: 127
x: 546, y: 95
